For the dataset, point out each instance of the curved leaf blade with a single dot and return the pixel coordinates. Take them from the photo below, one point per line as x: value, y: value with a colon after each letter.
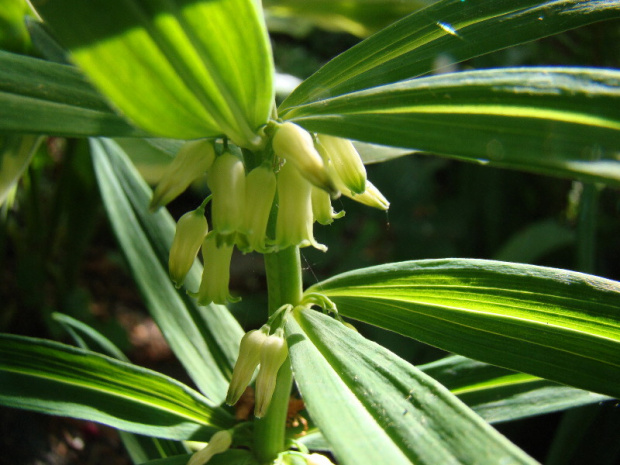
x: 560, y: 325
x: 458, y: 29
x: 56, y: 379
x: 374, y: 407
x: 205, y: 339
x: 558, y: 121
x: 500, y: 395
x: 39, y: 97
x: 183, y: 68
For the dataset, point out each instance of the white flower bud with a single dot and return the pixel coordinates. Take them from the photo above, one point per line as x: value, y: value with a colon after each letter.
x: 295, y: 219
x: 226, y: 179
x: 274, y: 352
x: 191, y: 230
x: 322, y: 210
x: 216, y: 273
x: 371, y: 197
x: 260, y: 190
x: 343, y: 159
x: 295, y: 144
x: 317, y: 459
x: 247, y: 361
x: 191, y: 162
x: 219, y: 442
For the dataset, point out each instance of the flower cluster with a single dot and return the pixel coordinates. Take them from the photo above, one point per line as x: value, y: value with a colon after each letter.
x: 258, y: 348
x: 299, y: 172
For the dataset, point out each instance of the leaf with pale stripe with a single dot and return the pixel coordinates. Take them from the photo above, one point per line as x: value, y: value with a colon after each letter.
x: 177, y: 68
x: 374, y: 407
x: 455, y: 29
x: 557, y: 324
x: 39, y: 97
x: 500, y: 395
x: 205, y: 339
x: 558, y: 121
x: 53, y: 378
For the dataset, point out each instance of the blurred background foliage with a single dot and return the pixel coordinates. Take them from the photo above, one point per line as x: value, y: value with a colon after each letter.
x: 58, y: 253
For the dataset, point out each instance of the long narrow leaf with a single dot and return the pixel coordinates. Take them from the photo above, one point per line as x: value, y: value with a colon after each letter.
x: 56, y: 379
x: 453, y: 28
x: 500, y: 395
x: 374, y: 407
x: 178, y: 68
x: 205, y: 339
x: 40, y: 97
x: 559, y: 121
x: 220, y: 329
x: 556, y: 324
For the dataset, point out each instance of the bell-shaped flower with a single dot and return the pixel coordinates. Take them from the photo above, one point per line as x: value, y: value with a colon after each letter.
x: 295, y: 218
x: 371, y: 197
x: 273, y: 354
x: 322, y: 210
x: 226, y: 179
x: 216, y: 273
x: 341, y: 156
x: 260, y: 190
x: 247, y: 361
x: 192, y: 228
x: 293, y: 143
x: 219, y: 442
x: 192, y: 161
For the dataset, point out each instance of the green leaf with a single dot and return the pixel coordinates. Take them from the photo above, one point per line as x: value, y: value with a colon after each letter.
x: 359, y: 18
x: 73, y: 326
x: 455, y: 29
x: 556, y: 324
x: 558, y: 121
x: 374, y: 407
x: 182, y: 68
x: 16, y: 151
x: 205, y: 339
x: 140, y: 448
x: 535, y: 241
x: 56, y: 379
x: 500, y: 395
x: 40, y: 97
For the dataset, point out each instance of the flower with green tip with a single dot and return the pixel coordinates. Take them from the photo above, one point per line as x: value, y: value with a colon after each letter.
x: 294, y: 144
x: 219, y: 442
x: 226, y: 179
x: 247, y: 361
x: 260, y: 190
x: 371, y: 197
x: 192, y: 161
x: 322, y: 209
x: 295, y: 219
x: 191, y: 230
x: 215, y: 274
x: 274, y: 352
x: 343, y: 162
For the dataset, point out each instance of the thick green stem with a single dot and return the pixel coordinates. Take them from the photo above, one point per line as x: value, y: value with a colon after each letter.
x: 285, y: 287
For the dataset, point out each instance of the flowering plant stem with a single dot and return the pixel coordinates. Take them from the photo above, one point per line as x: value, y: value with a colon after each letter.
x: 285, y: 287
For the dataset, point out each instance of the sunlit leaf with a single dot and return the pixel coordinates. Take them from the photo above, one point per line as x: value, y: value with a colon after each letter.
x: 454, y: 29
x: 559, y: 121
x: 52, y: 378
x: 374, y: 407
x: 180, y: 68
x: 39, y: 97
x: 205, y: 339
x: 557, y: 324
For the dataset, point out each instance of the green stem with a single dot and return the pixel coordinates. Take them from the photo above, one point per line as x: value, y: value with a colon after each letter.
x: 284, y: 286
